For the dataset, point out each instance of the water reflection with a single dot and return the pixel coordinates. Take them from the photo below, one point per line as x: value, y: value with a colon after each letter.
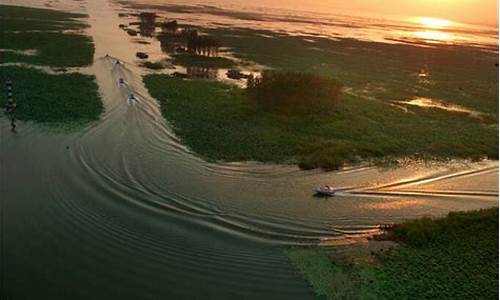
x: 434, y: 23
x: 432, y: 36
x: 431, y: 103
x: 201, y: 72
x: 385, y: 29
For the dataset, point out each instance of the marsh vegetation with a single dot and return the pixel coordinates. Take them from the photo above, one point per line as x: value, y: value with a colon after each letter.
x: 224, y: 123
x: 53, y: 46
x: 42, y: 97
x: 455, y: 257
x: 294, y: 93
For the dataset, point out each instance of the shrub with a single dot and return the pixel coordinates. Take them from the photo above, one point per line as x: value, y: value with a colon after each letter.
x: 291, y: 92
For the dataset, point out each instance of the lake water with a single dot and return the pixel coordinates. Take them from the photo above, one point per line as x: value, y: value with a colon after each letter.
x: 326, y: 21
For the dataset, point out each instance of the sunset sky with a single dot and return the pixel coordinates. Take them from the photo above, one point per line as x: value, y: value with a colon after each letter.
x: 470, y: 11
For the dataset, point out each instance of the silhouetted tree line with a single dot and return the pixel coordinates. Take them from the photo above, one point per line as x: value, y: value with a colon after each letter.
x: 147, y: 25
x: 171, y: 27
x: 202, y: 45
x: 173, y: 37
x: 292, y: 92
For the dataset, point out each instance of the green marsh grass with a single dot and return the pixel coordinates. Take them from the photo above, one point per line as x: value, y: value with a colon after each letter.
x: 388, y: 72
x: 190, y: 60
x: 52, y: 99
x: 221, y: 123
x: 455, y: 257
x: 54, y: 48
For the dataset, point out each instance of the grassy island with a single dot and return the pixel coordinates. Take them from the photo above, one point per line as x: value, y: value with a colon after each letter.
x: 45, y: 98
x: 224, y: 123
x: 455, y: 257
x: 38, y: 37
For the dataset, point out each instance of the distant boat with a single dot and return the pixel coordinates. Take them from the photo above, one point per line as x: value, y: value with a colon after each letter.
x: 325, y: 191
x: 235, y: 74
x: 142, y: 55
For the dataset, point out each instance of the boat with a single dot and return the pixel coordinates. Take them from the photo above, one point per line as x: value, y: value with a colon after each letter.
x: 142, y: 55
x: 236, y: 74
x: 132, y: 99
x: 326, y: 191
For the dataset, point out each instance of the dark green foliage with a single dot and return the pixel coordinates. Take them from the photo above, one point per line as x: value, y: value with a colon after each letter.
x: 19, y: 24
x: 330, y: 155
x: 189, y: 60
x: 223, y: 124
x: 22, y: 12
x: 55, y: 49
x: 450, y: 258
x: 295, y: 93
x: 425, y: 231
x: 69, y: 98
x: 153, y: 65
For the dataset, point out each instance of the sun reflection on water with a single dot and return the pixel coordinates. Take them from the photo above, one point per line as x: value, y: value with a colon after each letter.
x: 433, y: 23
x: 433, y: 30
x: 434, y: 36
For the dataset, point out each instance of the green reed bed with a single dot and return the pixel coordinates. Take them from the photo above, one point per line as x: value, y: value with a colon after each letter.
x: 190, y: 60
x: 455, y: 257
x: 223, y: 123
x: 37, y: 37
x: 52, y: 99
x: 23, y: 28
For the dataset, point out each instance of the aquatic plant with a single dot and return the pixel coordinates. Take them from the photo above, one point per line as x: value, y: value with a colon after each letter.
x: 189, y: 60
x: 293, y: 92
x: 153, y: 65
x: 55, y: 49
x: 220, y: 123
x: 455, y: 257
x: 46, y: 98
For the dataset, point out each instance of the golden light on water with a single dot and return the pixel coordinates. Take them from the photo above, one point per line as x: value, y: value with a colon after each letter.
x: 432, y: 29
x: 434, y: 36
x: 433, y: 23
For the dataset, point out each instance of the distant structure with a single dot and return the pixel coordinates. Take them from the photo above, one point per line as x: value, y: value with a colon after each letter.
x: 202, y: 45
x: 147, y: 25
x: 171, y: 27
x: 10, y: 106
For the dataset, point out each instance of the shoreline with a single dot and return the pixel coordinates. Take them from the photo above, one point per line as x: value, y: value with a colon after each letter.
x: 449, y: 257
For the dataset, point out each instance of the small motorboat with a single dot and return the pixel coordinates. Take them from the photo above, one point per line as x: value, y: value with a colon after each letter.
x: 236, y: 74
x: 142, y: 55
x: 121, y: 81
x: 326, y: 190
x: 132, y: 99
